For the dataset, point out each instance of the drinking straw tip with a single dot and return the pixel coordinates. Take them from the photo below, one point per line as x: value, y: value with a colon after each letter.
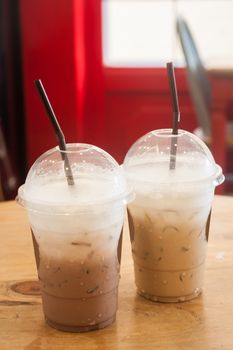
x: 57, y: 129
x: 176, y: 112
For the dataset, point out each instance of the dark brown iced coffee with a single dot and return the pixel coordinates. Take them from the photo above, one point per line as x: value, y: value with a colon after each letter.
x: 77, y: 235
x: 79, y: 294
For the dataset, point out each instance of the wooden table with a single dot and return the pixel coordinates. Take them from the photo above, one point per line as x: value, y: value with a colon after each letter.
x: 204, y: 323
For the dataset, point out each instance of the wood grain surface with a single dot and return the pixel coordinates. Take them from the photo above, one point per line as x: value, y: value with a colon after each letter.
x: 203, y: 323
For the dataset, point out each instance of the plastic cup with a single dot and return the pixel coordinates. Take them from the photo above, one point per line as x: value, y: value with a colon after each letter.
x: 170, y: 216
x: 76, y: 233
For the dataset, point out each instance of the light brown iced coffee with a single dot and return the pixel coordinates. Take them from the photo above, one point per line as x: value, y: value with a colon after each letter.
x: 170, y: 216
x: 169, y: 248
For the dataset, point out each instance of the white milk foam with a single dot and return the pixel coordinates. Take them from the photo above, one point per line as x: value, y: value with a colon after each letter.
x: 185, y: 186
x: 85, y: 190
x: 57, y: 207
x: 157, y: 170
x: 173, y: 201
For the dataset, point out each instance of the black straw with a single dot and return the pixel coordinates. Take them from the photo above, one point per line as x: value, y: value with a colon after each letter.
x: 176, y: 113
x: 58, y: 132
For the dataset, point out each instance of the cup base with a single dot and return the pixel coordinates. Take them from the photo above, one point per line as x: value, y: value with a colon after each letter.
x: 80, y: 329
x: 171, y: 299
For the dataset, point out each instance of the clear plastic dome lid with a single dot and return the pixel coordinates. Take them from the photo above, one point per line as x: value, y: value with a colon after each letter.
x: 98, y: 179
x: 148, y: 160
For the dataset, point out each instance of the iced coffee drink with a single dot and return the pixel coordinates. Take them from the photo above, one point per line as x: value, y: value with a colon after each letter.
x: 76, y: 234
x: 170, y: 216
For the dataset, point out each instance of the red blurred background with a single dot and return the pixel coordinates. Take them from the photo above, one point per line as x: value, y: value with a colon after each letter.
x: 60, y: 42
x: 110, y: 107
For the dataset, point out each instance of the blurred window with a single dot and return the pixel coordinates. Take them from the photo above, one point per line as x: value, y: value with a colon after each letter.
x: 141, y: 33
